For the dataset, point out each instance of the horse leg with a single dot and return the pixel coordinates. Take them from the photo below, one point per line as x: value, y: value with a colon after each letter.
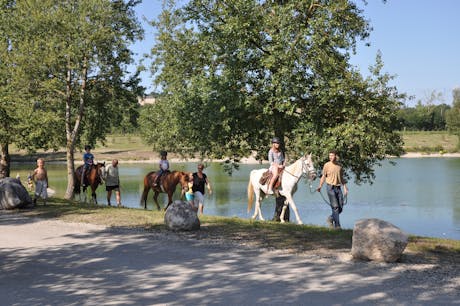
x: 155, y: 199
x: 169, y: 200
x: 293, y: 206
x: 254, y: 216
x: 93, y: 195
x: 145, y: 193
x: 283, y: 211
x: 258, y: 211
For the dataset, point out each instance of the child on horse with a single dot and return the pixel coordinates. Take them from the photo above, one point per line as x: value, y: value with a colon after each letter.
x: 164, y: 167
x: 88, y: 161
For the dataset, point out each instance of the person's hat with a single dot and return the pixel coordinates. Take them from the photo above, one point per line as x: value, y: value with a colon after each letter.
x: 163, y: 153
x: 275, y: 140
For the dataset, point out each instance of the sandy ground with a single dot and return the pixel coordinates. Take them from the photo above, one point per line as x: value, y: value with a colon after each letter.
x: 50, y: 262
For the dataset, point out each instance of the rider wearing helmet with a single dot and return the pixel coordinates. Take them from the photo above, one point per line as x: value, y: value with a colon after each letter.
x: 276, y: 160
x: 164, y: 167
x: 88, y: 160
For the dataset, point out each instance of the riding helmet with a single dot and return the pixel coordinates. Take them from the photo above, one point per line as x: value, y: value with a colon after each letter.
x: 87, y: 147
x: 275, y: 140
x: 163, y: 153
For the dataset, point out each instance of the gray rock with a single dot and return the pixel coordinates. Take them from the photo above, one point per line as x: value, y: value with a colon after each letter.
x: 13, y: 194
x: 181, y: 217
x: 377, y: 240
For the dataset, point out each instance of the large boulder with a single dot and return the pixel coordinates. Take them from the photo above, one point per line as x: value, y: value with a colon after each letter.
x: 13, y: 194
x: 180, y: 216
x: 377, y: 240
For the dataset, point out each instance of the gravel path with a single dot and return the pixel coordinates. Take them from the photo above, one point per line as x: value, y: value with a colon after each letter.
x: 50, y: 262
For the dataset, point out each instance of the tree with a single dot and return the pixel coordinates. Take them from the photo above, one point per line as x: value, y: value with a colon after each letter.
x: 77, y: 53
x: 24, y: 117
x: 236, y: 73
x: 453, y: 115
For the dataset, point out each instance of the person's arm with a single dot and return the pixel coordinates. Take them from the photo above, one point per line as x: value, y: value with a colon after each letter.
x: 323, y: 178
x: 321, y: 182
x: 46, y: 177
x: 271, y: 159
x: 345, y: 187
x: 208, y: 184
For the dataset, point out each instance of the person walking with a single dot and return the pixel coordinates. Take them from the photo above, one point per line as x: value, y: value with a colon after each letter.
x: 333, y: 176
x: 200, y: 180
x: 112, y: 182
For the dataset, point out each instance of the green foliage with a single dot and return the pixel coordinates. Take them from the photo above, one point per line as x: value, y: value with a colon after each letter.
x: 453, y: 116
x: 236, y: 73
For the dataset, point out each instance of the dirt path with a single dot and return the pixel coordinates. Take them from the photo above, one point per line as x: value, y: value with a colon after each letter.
x: 57, y: 263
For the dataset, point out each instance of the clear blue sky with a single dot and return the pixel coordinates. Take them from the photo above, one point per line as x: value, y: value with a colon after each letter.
x: 419, y: 41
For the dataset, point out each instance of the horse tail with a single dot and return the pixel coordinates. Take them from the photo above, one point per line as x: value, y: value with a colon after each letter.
x: 146, y: 190
x: 250, y: 194
x: 76, y: 183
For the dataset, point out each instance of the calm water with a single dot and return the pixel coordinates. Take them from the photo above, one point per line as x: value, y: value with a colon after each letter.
x: 421, y: 195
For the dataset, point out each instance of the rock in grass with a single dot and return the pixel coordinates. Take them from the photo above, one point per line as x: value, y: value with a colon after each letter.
x: 377, y: 240
x: 181, y: 217
x: 13, y: 194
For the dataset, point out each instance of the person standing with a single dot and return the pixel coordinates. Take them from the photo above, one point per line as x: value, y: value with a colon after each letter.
x: 189, y: 195
x: 200, y: 180
x: 164, y: 167
x: 40, y: 177
x: 333, y: 176
x: 276, y: 160
x: 112, y: 182
x: 88, y: 160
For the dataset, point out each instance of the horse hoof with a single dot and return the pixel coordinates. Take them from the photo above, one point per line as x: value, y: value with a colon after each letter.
x: 282, y: 221
x: 300, y: 222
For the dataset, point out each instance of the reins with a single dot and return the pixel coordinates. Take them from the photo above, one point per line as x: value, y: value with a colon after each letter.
x: 345, y: 198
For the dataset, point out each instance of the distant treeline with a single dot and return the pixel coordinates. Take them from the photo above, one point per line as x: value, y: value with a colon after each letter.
x: 422, y: 118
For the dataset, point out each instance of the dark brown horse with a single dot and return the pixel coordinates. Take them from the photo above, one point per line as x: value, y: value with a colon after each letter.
x: 168, y: 183
x: 93, y: 178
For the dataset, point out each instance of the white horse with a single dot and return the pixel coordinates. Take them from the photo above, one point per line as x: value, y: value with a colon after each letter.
x: 290, y: 178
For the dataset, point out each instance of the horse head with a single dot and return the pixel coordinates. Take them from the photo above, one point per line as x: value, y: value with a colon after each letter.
x: 308, y: 167
x: 100, y: 170
x: 184, y: 178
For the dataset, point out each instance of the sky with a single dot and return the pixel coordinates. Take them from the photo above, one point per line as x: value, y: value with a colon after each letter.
x: 419, y: 41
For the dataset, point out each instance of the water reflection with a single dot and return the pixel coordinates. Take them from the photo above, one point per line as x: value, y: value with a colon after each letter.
x: 421, y: 196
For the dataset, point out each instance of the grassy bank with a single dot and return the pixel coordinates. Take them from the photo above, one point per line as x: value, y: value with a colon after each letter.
x: 430, y: 142
x: 271, y: 235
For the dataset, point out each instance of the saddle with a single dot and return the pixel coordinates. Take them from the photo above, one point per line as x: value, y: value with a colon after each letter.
x: 267, y: 176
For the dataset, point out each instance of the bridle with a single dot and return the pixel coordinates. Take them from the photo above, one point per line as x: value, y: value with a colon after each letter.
x: 305, y: 171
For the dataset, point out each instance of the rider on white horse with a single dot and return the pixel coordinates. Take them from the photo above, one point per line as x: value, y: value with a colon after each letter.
x: 276, y: 160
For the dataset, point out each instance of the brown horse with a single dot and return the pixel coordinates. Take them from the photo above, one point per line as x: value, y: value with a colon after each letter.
x: 93, y: 178
x: 168, y: 183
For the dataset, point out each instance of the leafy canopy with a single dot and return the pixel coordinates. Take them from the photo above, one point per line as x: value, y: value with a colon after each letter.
x: 235, y: 73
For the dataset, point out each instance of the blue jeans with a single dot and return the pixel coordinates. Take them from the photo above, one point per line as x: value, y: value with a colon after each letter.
x: 336, y: 201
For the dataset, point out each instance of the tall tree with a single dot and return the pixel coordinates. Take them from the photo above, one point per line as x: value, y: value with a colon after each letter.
x: 453, y: 115
x: 236, y: 73
x: 78, y: 53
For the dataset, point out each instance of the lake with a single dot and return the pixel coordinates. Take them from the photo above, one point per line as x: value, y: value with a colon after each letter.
x: 421, y: 195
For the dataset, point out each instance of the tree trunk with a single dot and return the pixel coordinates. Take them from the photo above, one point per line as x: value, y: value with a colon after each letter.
x: 71, y: 133
x: 70, y: 171
x: 5, y: 161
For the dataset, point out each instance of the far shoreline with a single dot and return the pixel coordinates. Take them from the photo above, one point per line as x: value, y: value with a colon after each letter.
x: 102, y: 156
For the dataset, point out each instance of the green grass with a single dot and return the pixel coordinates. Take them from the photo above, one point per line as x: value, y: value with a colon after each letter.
x: 430, y: 142
x: 270, y: 235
